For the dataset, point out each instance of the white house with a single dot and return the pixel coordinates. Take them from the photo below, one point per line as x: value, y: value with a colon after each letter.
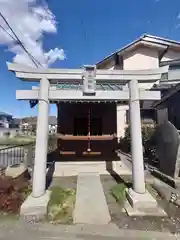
x: 147, y: 52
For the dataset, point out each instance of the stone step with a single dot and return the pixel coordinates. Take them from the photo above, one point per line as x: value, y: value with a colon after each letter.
x: 102, y: 167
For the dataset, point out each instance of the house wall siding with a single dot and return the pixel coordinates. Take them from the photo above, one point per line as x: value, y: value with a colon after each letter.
x: 142, y: 58
x: 121, y: 119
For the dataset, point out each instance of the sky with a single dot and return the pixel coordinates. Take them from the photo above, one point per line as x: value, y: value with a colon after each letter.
x: 71, y: 33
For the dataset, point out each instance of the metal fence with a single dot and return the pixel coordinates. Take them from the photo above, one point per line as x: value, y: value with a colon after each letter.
x: 14, y: 155
x: 25, y: 153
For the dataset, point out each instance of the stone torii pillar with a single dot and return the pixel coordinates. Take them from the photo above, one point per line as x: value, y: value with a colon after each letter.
x: 140, y: 201
x: 136, y: 139
x: 40, y: 162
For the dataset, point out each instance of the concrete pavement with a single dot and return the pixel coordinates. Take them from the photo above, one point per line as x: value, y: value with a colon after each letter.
x: 18, y: 230
x: 90, y: 206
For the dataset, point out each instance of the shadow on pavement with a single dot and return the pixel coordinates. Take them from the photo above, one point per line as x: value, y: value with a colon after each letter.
x: 51, y: 159
x: 117, y: 178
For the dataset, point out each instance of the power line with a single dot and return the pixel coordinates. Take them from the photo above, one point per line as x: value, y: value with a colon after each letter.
x: 84, y: 29
x: 8, y: 33
x: 18, y: 41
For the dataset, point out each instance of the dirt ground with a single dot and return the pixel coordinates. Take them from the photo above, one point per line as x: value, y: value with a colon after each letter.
x: 120, y: 218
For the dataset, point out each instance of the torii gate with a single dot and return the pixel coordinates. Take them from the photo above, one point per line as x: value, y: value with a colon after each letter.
x: 89, y: 77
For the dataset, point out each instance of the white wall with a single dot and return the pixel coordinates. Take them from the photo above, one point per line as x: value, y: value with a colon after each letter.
x: 142, y: 58
x: 121, y: 120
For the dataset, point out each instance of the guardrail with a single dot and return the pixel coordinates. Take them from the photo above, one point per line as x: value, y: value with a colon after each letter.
x: 25, y: 153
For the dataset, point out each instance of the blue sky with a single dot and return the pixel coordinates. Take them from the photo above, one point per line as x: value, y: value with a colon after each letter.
x: 89, y: 31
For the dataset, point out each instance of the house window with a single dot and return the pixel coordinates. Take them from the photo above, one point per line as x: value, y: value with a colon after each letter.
x: 127, y: 116
x: 174, y: 67
x: 164, y: 76
x: 147, y: 116
x: 1, y: 125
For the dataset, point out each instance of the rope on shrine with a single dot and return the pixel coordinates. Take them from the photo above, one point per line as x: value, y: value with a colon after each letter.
x: 89, y: 130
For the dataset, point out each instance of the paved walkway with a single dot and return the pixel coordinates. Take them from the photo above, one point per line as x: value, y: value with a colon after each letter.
x: 90, y: 206
x: 19, y: 231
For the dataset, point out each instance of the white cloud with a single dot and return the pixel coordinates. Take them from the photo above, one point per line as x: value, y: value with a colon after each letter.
x: 29, y: 21
x: 52, y: 55
x: 178, y: 24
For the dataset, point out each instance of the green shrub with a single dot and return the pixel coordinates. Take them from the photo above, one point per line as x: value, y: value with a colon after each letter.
x: 125, y: 143
x: 119, y: 191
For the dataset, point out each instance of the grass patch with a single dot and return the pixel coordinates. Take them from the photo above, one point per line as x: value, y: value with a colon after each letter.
x: 61, y: 205
x: 16, y: 140
x: 119, y: 192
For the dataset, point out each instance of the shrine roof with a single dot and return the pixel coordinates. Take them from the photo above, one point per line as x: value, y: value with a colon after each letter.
x: 99, y: 87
